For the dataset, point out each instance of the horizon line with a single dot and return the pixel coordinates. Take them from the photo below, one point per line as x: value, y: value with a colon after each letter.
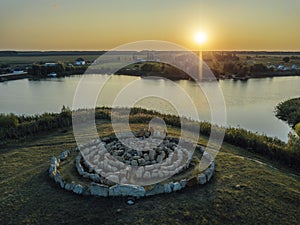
x: 77, y: 50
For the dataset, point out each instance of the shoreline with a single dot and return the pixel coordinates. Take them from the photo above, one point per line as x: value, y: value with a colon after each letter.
x: 10, y: 77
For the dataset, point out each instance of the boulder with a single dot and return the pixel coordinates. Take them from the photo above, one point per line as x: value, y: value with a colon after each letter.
x: 167, y: 188
x: 99, y: 190
x: 113, y: 178
x: 64, y: 155
x: 69, y: 186
x: 53, y: 161
x: 147, y: 175
x: 146, y: 157
x: 208, y: 173
x: 152, y: 155
x: 134, y: 163
x: 58, y: 179
x: 183, y: 183
x: 159, y: 158
x: 130, y: 202
x: 126, y: 190
x: 141, y: 162
x: 139, y: 172
x: 212, y: 166
x: 201, y: 179
x: 157, y: 189
x: 52, y: 170
x: 177, y: 186
x: 78, y: 189
x: 79, y: 169
x: 95, y: 177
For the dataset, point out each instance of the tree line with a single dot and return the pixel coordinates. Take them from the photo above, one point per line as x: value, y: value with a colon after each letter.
x: 42, y: 70
x: 16, y: 127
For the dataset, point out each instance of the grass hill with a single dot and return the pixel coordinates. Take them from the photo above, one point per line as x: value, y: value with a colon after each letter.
x: 246, y: 188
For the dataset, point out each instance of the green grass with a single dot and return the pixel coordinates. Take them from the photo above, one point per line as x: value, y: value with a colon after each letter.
x: 241, y: 191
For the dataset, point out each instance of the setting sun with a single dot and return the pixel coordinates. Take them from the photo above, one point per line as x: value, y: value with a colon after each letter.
x: 200, y: 38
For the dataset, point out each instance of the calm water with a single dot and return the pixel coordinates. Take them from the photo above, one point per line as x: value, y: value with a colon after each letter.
x: 249, y: 104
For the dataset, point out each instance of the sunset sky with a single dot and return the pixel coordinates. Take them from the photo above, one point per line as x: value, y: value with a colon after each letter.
x: 104, y: 24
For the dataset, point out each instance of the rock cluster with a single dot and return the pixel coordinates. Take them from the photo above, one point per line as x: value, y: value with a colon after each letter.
x: 145, y: 159
x: 112, y: 185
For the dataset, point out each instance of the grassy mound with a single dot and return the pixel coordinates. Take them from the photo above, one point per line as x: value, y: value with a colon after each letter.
x: 244, y: 189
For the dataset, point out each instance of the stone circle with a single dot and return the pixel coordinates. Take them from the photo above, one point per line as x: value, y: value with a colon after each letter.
x: 106, y: 181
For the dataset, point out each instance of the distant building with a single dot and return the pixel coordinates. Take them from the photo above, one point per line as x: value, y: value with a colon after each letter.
x: 52, y: 74
x: 271, y: 66
x: 18, y: 71
x: 294, y: 67
x: 50, y: 64
x: 80, y: 62
x: 280, y: 67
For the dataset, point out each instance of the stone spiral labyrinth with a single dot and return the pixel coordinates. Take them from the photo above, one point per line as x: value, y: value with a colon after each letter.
x: 149, y: 159
x: 130, y: 166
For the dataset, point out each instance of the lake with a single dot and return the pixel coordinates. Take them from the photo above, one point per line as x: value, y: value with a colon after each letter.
x: 249, y: 104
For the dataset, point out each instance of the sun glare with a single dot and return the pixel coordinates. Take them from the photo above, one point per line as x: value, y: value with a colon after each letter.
x: 200, y: 38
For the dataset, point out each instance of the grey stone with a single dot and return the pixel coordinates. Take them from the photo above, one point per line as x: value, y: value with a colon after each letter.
x: 163, y: 155
x: 69, y: 186
x: 99, y: 190
x: 53, y: 161
x: 141, y: 162
x: 152, y: 155
x: 147, y: 175
x: 79, y: 169
x: 139, y: 172
x: 130, y: 202
x: 159, y: 158
x: 157, y: 189
x: 183, y: 183
x: 208, y: 173
x: 52, y: 170
x: 167, y: 188
x: 78, y: 189
x: 134, y: 163
x: 176, y: 186
x: 201, y: 179
x: 212, y: 166
x: 126, y: 190
x: 64, y: 155
x: 113, y: 178
x: 95, y: 177
x: 58, y: 179
x: 146, y: 157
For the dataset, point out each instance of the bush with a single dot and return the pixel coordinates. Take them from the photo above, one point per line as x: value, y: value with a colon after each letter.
x: 289, y: 111
x: 14, y: 127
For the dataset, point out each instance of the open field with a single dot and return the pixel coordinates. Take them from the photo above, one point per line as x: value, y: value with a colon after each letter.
x: 28, y: 60
x: 243, y: 190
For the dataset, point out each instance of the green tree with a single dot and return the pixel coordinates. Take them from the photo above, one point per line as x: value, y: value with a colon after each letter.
x: 7, y: 121
x: 286, y: 59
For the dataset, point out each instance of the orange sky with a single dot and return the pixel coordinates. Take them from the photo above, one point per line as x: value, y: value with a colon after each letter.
x: 102, y: 24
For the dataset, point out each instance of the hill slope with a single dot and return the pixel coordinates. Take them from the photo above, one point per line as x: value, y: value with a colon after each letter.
x: 243, y: 190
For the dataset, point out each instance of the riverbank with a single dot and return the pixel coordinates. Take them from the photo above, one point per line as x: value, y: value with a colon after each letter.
x: 13, y: 76
x: 224, y: 65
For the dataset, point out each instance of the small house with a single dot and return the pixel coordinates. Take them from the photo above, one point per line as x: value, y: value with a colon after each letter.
x: 80, y: 62
x: 294, y: 67
x: 280, y: 67
x: 50, y: 64
x: 53, y: 74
